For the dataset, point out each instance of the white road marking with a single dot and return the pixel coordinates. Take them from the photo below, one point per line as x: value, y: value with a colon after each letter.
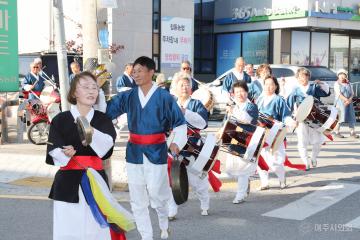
x: 314, y: 202
x: 354, y: 223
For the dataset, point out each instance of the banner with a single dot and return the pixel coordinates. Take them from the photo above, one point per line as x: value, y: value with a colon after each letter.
x: 176, y: 41
x: 9, y: 63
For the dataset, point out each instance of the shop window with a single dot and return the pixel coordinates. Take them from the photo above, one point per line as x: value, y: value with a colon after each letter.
x: 228, y: 49
x: 355, y: 60
x: 319, y: 49
x: 300, y: 47
x: 204, y: 36
x: 339, y: 49
x: 256, y: 47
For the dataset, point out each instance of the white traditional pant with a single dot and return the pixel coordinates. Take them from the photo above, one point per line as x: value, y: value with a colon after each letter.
x: 75, y: 221
x: 237, y: 167
x: 309, y: 136
x: 275, y: 161
x: 148, y: 183
x: 201, y: 189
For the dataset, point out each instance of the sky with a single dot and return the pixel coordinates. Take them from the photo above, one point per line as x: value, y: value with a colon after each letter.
x: 34, y: 23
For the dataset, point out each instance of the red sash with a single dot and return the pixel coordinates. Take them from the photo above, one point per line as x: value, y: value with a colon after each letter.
x: 191, y: 132
x: 82, y: 162
x: 147, y: 139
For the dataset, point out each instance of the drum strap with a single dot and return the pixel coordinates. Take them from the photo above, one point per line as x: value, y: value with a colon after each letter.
x: 147, y: 139
x: 82, y: 162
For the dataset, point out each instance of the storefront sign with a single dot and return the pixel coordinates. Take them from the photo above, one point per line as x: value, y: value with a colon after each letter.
x: 333, y: 11
x: 250, y: 14
x: 176, y: 41
x: 9, y: 67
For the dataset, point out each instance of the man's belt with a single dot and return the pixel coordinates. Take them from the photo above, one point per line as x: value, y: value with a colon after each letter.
x: 83, y: 162
x: 147, y: 139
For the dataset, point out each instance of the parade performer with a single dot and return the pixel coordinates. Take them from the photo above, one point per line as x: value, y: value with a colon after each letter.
x: 271, y: 104
x: 151, y: 112
x: 256, y: 86
x: 237, y: 74
x: 126, y: 79
x: 343, y: 101
x: 196, y: 117
x: 73, y: 218
x: 34, y: 81
x: 307, y: 135
x: 245, y: 112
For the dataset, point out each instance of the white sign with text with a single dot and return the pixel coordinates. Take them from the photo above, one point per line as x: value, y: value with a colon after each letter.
x: 176, y: 41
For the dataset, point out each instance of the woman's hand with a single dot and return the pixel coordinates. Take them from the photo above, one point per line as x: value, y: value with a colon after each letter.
x: 69, y: 151
x: 228, y: 109
x: 317, y: 81
x: 347, y: 102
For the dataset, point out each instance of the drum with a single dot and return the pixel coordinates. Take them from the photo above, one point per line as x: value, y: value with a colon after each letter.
x: 205, y: 96
x: 52, y: 110
x: 320, y: 117
x: 243, y: 140
x: 179, y: 181
x: 200, y: 154
x: 46, y: 93
x: 276, y: 131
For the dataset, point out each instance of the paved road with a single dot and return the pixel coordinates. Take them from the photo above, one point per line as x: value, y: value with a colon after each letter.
x: 320, y: 204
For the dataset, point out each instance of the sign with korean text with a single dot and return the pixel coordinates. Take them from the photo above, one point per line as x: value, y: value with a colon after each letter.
x: 9, y: 64
x: 176, y: 41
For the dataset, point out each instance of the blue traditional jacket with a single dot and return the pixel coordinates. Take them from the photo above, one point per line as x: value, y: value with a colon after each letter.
x: 255, y: 90
x: 277, y: 108
x: 297, y: 96
x: 230, y: 79
x: 124, y: 81
x: 160, y: 114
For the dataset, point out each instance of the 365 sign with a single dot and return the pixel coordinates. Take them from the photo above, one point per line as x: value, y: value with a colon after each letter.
x: 9, y: 65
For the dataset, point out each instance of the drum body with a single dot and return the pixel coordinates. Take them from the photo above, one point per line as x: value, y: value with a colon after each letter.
x: 200, y: 154
x: 205, y: 96
x: 320, y: 117
x: 276, y: 131
x: 243, y: 140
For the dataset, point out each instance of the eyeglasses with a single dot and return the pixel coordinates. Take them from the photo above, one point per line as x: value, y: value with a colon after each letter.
x: 35, y: 67
x: 89, y: 88
x: 186, y: 68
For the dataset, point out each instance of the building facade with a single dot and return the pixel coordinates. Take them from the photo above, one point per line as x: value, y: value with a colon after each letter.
x: 159, y: 29
x: 302, y: 32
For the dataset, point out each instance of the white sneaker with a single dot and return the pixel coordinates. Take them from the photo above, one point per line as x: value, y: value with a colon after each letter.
x: 204, y: 213
x: 238, y: 201
x: 283, y: 184
x: 164, y: 234
x: 314, y: 163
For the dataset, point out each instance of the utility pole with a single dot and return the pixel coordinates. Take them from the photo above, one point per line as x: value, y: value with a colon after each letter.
x: 61, y: 53
x: 89, y: 29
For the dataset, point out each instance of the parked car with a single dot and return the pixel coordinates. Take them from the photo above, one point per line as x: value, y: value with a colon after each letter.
x: 286, y: 72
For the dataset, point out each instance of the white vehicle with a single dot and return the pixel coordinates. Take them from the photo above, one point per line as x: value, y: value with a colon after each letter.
x: 286, y: 72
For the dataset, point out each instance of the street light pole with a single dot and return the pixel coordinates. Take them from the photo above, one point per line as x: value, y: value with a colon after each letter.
x: 89, y: 29
x: 61, y: 52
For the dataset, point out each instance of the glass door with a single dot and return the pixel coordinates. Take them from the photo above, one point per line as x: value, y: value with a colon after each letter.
x: 354, y: 72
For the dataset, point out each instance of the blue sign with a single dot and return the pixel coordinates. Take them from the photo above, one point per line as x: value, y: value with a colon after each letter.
x: 228, y: 49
